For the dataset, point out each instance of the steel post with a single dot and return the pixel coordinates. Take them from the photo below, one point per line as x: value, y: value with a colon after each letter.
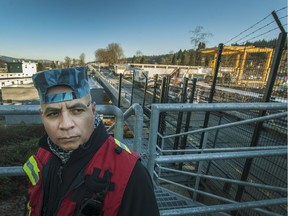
x: 119, y: 90
x: 180, y: 114
x: 132, y: 89
x: 188, y: 118
x: 212, y: 90
x: 155, y: 88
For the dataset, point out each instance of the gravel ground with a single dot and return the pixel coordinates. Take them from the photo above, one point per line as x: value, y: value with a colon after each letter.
x: 13, y: 207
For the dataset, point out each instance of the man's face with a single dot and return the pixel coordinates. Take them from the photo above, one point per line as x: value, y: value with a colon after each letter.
x: 69, y: 123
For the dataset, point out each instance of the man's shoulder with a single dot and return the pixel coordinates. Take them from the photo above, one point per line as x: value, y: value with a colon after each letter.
x: 140, y: 171
x: 119, y: 147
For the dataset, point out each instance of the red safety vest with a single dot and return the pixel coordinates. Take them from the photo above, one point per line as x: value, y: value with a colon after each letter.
x: 108, y: 157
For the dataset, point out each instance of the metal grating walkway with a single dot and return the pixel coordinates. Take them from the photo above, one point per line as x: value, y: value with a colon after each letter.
x: 167, y: 199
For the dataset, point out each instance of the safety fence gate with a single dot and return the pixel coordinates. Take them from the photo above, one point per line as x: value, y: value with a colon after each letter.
x: 230, y: 166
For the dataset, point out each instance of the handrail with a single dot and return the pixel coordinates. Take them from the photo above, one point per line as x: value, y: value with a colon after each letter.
x: 218, y: 106
x: 12, y: 171
x: 218, y: 156
x: 156, y: 109
x: 158, y: 156
x: 138, y: 125
x: 34, y: 110
x: 247, y: 121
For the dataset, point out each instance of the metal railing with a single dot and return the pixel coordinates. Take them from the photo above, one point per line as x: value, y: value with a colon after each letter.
x: 227, y: 161
x: 34, y: 110
x: 137, y: 111
x: 197, y: 162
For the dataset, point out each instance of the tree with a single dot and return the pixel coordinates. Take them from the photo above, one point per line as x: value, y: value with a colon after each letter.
x: 40, y: 66
x: 101, y: 55
x: 192, y: 57
x: 82, y: 59
x: 74, y: 62
x: 174, y: 60
x: 142, y: 60
x: 53, y: 65
x: 115, y: 53
x: 111, y: 55
x: 139, y: 53
x: 179, y: 55
x: 138, y: 56
x: 198, y: 36
x: 201, y: 45
x: 199, y: 40
x: 185, y: 58
x: 67, y: 61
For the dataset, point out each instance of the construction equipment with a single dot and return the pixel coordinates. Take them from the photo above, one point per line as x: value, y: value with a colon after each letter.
x: 238, y: 73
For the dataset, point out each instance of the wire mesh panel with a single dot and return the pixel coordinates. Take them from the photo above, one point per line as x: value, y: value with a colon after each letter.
x: 229, y: 132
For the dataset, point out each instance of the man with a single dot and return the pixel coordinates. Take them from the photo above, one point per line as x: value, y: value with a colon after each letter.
x: 79, y: 169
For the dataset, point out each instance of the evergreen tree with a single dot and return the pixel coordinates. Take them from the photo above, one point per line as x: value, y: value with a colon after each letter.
x: 53, y: 65
x: 40, y: 66
x: 179, y: 55
x: 82, y: 59
x: 174, y: 60
x: 185, y: 58
x: 142, y: 60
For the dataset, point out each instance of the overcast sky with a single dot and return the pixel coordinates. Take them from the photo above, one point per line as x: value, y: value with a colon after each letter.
x: 53, y: 29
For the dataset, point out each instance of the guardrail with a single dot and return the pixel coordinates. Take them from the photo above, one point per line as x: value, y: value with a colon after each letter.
x: 34, y: 110
x: 163, y: 161
x: 137, y: 111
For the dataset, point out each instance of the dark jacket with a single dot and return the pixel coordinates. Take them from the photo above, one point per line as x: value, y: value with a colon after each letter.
x: 101, y: 176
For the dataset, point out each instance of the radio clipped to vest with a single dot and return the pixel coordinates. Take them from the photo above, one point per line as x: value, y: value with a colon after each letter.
x: 90, y: 197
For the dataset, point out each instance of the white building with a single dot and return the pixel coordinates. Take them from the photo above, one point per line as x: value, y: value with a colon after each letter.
x: 29, y: 68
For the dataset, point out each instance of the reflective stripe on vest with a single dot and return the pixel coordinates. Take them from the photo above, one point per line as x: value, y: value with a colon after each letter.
x: 123, y: 146
x: 28, y: 209
x: 32, y: 170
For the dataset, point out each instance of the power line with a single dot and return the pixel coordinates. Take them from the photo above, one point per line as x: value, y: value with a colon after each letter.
x: 262, y: 20
x: 255, y: 31
x: 248, y: 28
x: 261, y: 34
x: 281, y: 9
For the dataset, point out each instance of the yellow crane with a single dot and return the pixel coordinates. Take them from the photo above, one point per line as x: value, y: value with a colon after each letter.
x: 241, y: 53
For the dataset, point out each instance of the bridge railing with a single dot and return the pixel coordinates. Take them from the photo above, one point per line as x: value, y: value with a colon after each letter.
x: 212, y: 167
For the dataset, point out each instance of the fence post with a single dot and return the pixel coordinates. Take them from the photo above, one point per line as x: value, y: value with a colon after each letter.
x: 119, y: 89
x: 145, y: 90
x: 155, y: 88
x: 212, y: 90
x: 132, y: 90
x: 166, y: 89
x: 162, y: 115
x: 188, y: 118
x: 163, y: 86
x: 180, y: 114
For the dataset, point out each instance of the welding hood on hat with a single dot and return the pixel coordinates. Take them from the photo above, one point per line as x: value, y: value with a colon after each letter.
x: 75, y: 78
